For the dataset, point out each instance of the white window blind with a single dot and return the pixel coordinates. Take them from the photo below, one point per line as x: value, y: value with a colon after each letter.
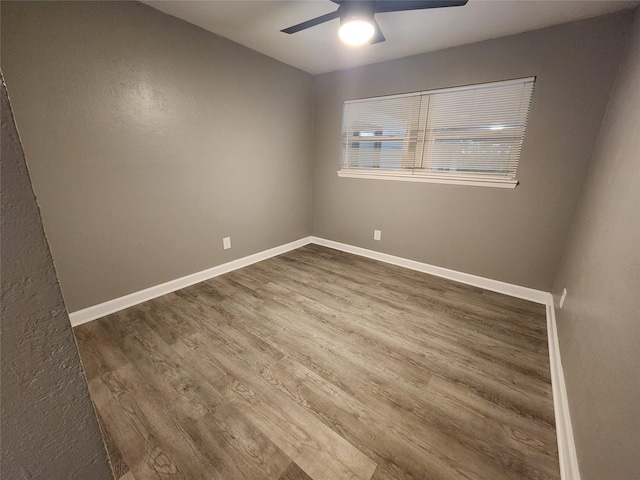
x: 467, y: 135
x: 383, y: 134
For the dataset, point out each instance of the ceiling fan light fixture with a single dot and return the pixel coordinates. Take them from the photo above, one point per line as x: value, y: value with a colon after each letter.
x: 357, y: 17
x: 356, y: 31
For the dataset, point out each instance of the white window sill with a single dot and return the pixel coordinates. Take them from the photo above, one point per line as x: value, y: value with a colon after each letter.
x: 409, y: 177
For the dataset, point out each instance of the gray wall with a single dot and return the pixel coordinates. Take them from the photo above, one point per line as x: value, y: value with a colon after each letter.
x: 49, y: 428
x: 599, y: 324
x: 149, y: 140
x: 516, y: 236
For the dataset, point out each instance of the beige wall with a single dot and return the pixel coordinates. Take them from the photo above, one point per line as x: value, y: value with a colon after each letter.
x: 599, y: 324
x: 149, y: 140
x: 516, y: 235
x: 49, y: 428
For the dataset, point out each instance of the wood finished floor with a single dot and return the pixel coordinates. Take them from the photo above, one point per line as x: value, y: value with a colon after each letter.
x: 318, y: 364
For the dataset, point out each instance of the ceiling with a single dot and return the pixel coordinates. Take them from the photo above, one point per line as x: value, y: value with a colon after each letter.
x: 257, y: 25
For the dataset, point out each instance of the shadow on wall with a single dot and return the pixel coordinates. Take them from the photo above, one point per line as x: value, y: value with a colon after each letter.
x: 49, y: 428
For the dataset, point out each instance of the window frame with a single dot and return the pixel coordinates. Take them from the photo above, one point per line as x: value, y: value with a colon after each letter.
x: 417, y: 172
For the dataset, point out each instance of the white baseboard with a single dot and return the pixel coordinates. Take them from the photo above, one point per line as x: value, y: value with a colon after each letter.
x: 97, y: 311
x: 91, y: 313
x: 566, y: 445
x: 525, y: 293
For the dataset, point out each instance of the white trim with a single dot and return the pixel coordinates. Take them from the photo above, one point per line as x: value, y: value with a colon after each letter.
x: 501, y: 83
x: 384, y: 97
x: 525, y: 293
x: 477, y: 86
x: 97, y: 311
x: 567, y: 456
x: 409, y: 177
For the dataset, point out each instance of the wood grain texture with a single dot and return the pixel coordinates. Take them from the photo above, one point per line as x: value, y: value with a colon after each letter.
x: 294, y: 472
x: 318, y: 364
x: 118, y: 466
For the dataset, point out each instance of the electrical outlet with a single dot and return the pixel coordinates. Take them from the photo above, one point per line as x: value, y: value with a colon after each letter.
x: 226, y: 243
x: 377, y: 235
x: 564, y: 295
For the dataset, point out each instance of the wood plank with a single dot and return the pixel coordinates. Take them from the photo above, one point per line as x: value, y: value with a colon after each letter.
x: 146, y: 447
x: 294, y: 472
x: 422, y: 449
x: 155, y: 361
x: 99, y: 351
x: 318, y: 450
x: 398, y: 360
x: 355, y: 381
x: 118, y: 466
x: 318, y: 364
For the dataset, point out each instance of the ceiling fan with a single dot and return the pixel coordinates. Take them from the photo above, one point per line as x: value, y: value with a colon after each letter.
x: 357, y: 17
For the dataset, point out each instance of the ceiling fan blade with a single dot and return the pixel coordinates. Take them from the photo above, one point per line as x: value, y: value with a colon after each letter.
x: 312, y: 23
x: 401, y: 5
x: 377, y: 36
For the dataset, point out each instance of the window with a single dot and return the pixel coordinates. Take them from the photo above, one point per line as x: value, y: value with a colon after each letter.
x: 465, y: 135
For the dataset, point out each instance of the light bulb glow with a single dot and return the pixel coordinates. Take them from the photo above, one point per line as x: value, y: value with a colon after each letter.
x: 356, y: 32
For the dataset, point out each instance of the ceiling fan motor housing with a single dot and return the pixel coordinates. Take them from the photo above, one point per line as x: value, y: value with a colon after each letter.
x: 353, y: 11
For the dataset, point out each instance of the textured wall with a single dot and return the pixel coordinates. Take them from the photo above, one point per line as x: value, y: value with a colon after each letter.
x: 149, y: 140
x: 599, y: 324
x: 49, y: 428
x: 516, y: 236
